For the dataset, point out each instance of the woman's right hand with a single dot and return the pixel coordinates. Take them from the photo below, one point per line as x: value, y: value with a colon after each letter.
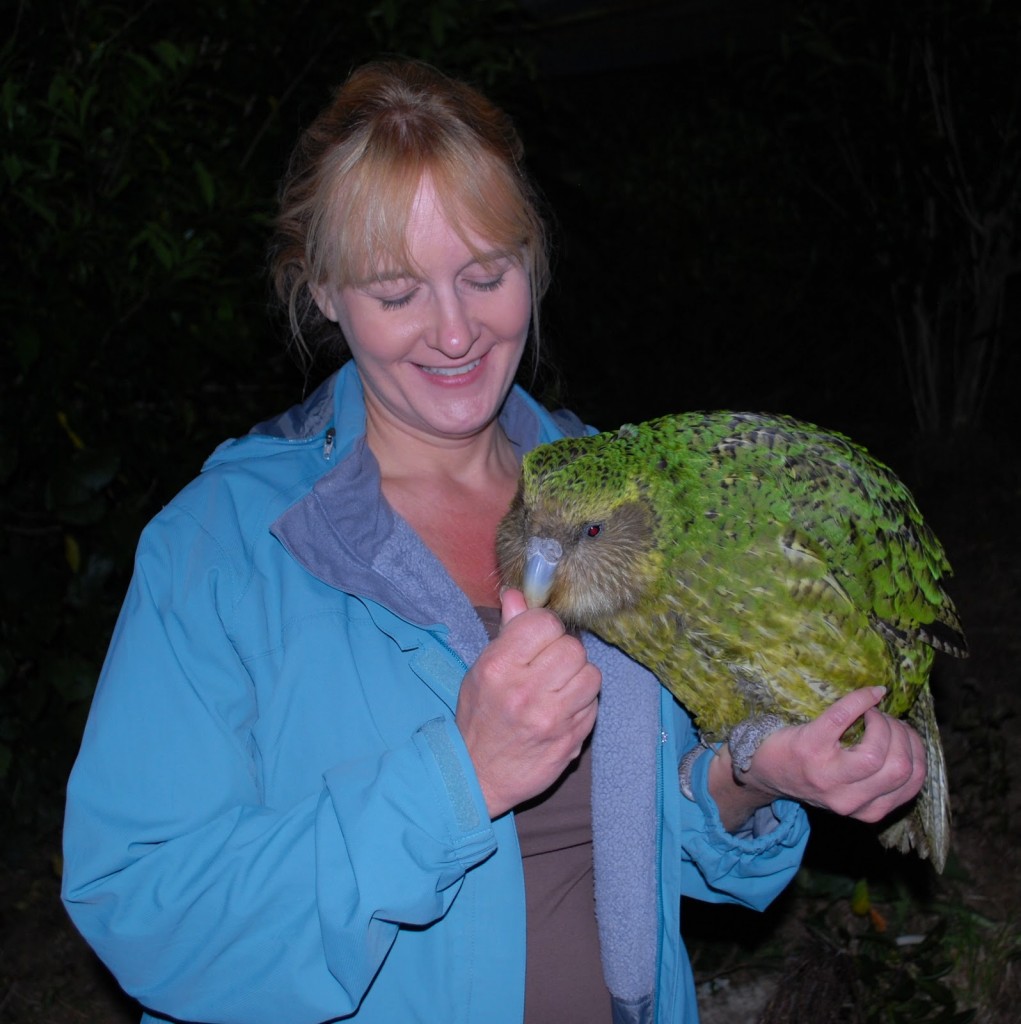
x: 527, y: 705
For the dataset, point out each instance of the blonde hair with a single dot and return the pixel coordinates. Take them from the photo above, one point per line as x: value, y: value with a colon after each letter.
x: 354, y: 174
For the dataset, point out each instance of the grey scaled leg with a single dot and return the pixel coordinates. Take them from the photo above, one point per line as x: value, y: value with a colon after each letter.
x: 746, y: 737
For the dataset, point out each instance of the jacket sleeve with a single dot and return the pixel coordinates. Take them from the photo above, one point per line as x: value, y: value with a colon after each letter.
x: 206, y: 902
x: 751, y: 867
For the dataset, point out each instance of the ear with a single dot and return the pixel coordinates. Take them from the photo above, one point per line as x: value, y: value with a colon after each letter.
x: 323, y: 296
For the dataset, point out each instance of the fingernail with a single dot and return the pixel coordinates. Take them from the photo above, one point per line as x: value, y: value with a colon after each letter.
x: 878, y: 691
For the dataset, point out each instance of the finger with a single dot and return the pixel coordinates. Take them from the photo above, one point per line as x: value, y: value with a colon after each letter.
x: 840, y: 715
x: 581, y: 695
x: 902, y: 750
x: 526, y: 632
x: 512, y: 604
x: 894, y: 742
x: 583, y: 718
x: 897, y: 757
x: 878, y: 741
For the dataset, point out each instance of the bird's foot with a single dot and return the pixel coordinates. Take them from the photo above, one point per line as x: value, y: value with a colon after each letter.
x: 746, y: 737
x: 686, y: 765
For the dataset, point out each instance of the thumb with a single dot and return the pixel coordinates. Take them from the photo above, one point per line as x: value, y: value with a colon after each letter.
x: 842, y: 713
x: 512, y: 604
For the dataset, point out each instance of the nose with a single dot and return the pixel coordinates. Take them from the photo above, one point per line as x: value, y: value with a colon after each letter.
x: 455, y: 329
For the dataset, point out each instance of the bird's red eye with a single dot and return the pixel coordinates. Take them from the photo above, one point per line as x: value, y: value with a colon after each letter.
x: 593, y: 530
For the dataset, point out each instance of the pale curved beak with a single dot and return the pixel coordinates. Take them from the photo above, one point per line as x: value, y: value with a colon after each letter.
x: 542, y: 555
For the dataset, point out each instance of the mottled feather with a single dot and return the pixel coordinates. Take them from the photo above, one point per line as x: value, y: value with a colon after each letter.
x: 756, y: 564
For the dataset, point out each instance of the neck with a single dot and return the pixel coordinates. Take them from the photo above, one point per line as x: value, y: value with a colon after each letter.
x: 407, y: 458
x: 453, y: 494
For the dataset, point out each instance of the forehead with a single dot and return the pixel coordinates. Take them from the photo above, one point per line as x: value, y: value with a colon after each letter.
x: 433, y: 238
x: 381, y: 212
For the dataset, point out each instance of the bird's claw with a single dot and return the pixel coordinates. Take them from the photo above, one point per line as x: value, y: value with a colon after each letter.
x: 746, y: 737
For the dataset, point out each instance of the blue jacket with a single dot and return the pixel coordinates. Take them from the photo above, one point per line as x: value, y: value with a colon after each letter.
x: 273, y: 817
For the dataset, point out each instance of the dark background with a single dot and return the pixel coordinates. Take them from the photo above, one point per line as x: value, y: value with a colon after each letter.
x: 804, y: 207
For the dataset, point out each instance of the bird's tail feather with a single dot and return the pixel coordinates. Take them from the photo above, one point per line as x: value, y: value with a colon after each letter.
x: 926, y: 827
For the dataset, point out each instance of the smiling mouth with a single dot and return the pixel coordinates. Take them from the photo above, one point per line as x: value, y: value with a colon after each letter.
x: 452, y: 371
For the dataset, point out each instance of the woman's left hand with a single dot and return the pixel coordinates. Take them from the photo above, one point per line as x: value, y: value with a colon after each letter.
x: 808, y: 763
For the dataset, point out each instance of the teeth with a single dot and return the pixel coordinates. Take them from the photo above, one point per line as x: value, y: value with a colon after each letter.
x: 452, y: 371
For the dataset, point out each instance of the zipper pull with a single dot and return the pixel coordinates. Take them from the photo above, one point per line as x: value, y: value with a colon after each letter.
x: 331, y: 436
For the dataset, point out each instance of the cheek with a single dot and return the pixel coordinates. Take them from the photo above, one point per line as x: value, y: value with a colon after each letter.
x: 373, y: 338
x: 513, y: 316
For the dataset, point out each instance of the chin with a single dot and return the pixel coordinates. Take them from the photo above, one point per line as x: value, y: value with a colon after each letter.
x: 458, y: 427
x: 467, y: 414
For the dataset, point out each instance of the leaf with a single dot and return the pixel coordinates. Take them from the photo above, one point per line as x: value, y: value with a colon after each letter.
x: 388, y: 10
x: 37, y: 207
x: 72, y: 552
x: 28, y: 346
x: 86, y: 102
x: 72, y: 436
x: 9, y: 93
x: 169, y: 54
x: 73, y: 492
x: 145, y: 66
x: 861, y: 901
x: 206, y: 184
x: 97, y: 468
x: 87, y: 588
x: 58, y: 91
x: 13, y: 166
x: 73, y: 677
x: 159, y: 243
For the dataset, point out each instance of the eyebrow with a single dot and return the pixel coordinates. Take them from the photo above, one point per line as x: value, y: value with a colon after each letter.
x: 382, y: 277
x: 482, y: 259
x: 493, y: 255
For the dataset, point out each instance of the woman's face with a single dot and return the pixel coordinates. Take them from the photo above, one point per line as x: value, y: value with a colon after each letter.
x: 436, y: 344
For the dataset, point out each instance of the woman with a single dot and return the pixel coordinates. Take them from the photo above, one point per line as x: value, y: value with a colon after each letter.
x: 330, y: 770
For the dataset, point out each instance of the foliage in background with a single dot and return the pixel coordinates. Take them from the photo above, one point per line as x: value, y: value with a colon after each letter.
x: 924, y: 166
x: 824, y: 219
x: 775, y: 220
x: 852, y: 948
x: 140, y: 153
x: 870, y: 957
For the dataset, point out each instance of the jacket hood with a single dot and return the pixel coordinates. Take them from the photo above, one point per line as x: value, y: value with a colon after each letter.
x: 333, y: 416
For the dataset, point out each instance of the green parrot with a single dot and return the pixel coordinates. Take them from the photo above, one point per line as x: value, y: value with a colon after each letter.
x: 761, y: 567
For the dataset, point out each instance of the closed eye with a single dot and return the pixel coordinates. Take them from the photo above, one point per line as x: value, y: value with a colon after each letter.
x: 399, y: 302
x: 487, y: 286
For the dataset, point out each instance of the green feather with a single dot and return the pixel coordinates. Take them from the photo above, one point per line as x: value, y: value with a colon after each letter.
x: 756, y: 564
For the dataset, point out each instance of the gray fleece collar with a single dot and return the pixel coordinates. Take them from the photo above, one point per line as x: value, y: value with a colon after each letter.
x: 344, y: 533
